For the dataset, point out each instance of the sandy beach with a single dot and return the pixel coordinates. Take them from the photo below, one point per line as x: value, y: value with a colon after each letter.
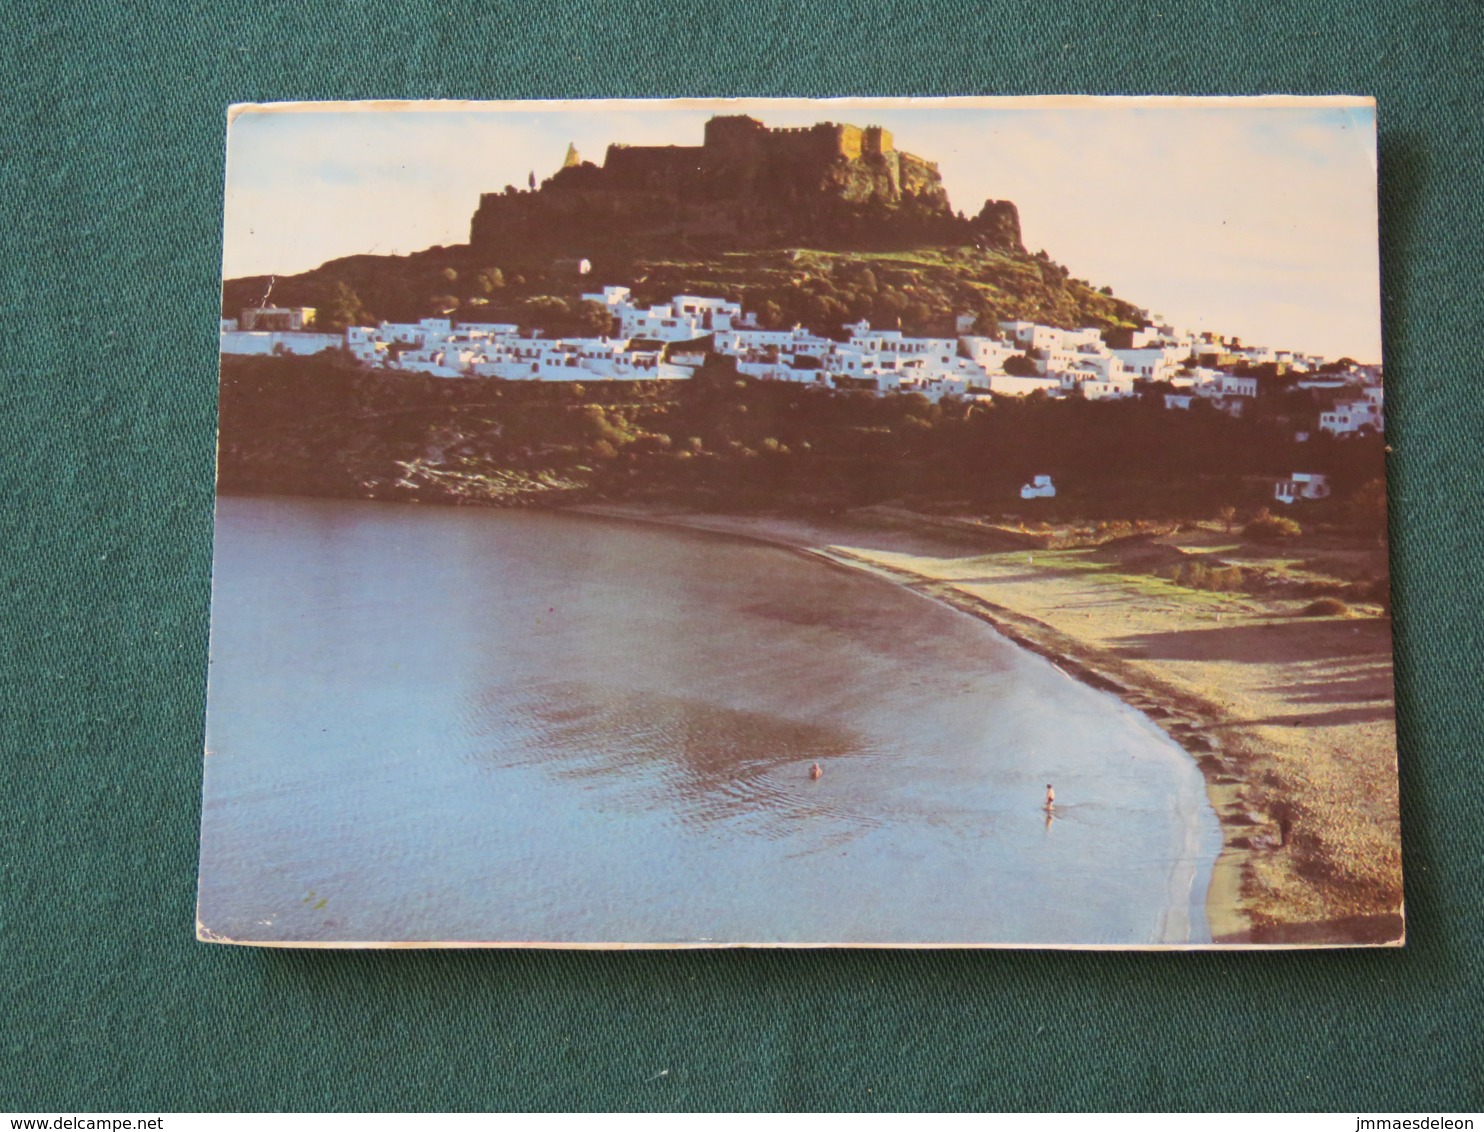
x: 1290, y: 718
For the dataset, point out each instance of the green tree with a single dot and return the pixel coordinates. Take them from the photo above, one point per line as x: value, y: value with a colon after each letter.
x: 1367, y: 508
x: 1267, y: 527
x: 987, y: 324
x: 594, y: 319
x: 343, y: 309
x: 917, y: 318
x: 545, y: 312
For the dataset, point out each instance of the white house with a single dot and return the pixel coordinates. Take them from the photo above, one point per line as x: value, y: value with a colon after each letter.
x: 1007, y: 386
x: 989, y: 353
x: 1302, y: 485
x: 276, y: 318
x: 1226, y: 392
x: 709, y: 314
x: 1151, y: 363
x: 1230, y: 385
x: 1031, y: 335
x: 685, y: 316
x: 429, y: 331
x: 660, y: 323
x: 491, y: 329
x: 430, y: 361
x: 277, y: 342
x: 365, y: 345
x: 611, y: 297
x: 690, y: 354
x: 862, y: 337
x: 1040, y: 487
x: 1352, y: 417
x: 1256, y: 355
x: 1325, y: 381
x: 1098, y: 390
x: 1086, y: 336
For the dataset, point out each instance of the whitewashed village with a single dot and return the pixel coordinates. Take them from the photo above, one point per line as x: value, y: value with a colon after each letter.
x: 671, y: 341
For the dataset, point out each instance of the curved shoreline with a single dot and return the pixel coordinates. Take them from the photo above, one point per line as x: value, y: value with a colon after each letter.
x: 1182, y: 880
x: 1291, y: 722
x: 1177, y: 714
x: 1290, y: 719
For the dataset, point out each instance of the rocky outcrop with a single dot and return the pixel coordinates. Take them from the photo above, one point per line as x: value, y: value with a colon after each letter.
x: 830, y: 185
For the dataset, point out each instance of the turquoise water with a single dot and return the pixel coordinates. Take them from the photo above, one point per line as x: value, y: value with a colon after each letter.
x: 448, y: 724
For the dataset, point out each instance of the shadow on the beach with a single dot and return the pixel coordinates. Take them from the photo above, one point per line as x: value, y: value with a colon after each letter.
x: 1374, y: 713
x: 1092, y: 596
x: 1365, y: 929
x: 1351, y: 687
x: 1295, y: 641
x: 1012, y: 579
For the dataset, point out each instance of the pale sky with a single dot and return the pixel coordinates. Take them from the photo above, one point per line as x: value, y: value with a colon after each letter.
x: 1248, y: 217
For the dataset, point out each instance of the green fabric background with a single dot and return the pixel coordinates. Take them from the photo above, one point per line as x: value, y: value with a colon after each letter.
x: 111, y: 142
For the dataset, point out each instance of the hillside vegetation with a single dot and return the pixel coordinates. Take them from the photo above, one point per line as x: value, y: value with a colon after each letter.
x: 921, y: 290
x: 323, y: 426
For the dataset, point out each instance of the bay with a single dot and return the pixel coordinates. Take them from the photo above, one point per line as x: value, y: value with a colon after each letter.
x: 471, y: 725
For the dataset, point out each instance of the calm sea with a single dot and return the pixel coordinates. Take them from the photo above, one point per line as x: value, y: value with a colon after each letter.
x: 440, y: 724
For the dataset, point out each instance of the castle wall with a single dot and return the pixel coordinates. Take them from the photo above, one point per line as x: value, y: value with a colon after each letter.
x: 733, y: 133
x: 876, y: 142
x: 805, y: 145
x: 650, y: 166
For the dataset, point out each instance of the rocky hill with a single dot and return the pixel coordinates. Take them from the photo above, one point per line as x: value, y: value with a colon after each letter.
x: 831, y: 185
x: 820, y: 225
x: 922, y: 290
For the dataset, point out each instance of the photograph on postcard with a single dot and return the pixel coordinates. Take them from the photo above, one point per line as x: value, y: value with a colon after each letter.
x: 874, y: 522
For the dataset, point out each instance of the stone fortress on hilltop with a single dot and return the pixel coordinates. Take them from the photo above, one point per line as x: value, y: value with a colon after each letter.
x: 829, y: 185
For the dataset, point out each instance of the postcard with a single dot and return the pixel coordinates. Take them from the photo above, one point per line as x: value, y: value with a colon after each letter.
x: 865, y: 522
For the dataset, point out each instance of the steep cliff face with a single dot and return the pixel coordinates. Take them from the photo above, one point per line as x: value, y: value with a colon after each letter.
x: 828, y: 186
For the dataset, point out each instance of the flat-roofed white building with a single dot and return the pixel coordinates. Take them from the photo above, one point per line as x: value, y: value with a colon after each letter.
x: 1352, y: 417
x: 490, y: 329
x: 1031, y: 335
x: 1005, y: 385
x: 1099, y: 390
x: 268, y: 342
x: 1040, y: 487
x: 711, y: 314
x: 421, y: 334
x: 989, y: 353
x: 1151, y: 363
x: 275, y: 318
x: 1302, y: 485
